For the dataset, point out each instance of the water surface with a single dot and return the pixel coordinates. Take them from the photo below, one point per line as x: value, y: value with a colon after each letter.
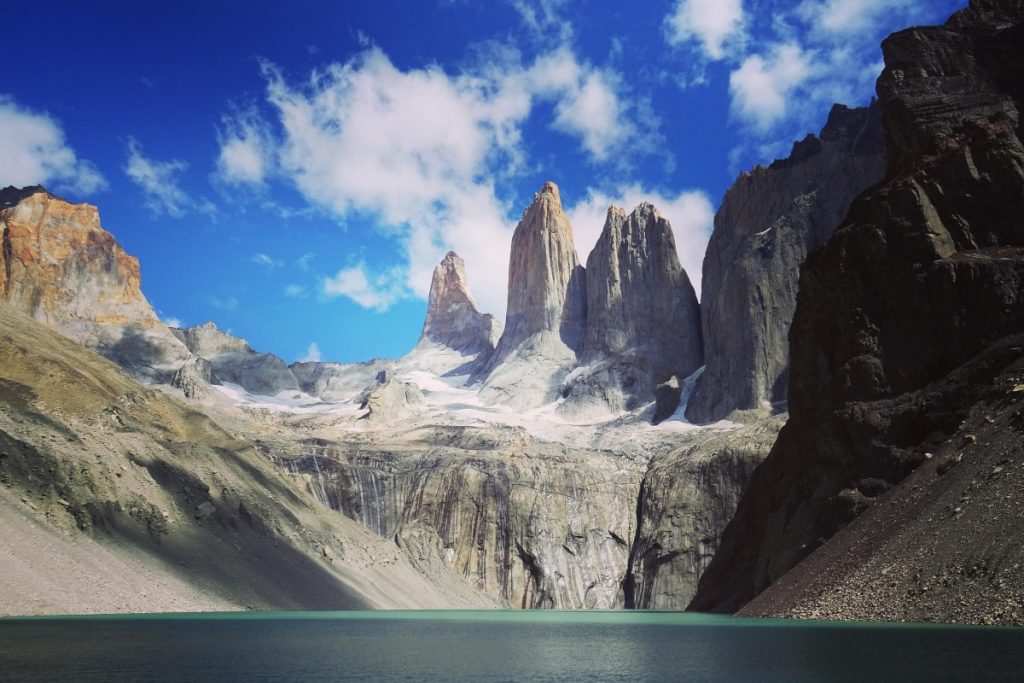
x: 498, y: 646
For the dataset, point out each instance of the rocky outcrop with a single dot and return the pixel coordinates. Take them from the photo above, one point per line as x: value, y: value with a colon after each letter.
x: 391, y: 400
x: 58, y: 265
x: 233, y: 361
x: 947, y: 543
x: 770, y: 219
x: 687, y: 498
x: 901, y: 317
x: 546, y: 316
x: 453, y: 320
x: 643, y: 319
x: 194, y: 378
x: 338, y: 381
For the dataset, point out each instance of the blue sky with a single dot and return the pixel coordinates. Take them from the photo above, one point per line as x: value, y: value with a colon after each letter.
x: 293, y: 171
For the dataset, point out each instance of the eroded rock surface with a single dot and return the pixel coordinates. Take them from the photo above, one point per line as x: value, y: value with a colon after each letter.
x: 58, y: 265
x: 546, y: 316
x: 770, y: 219
x: 233, y: 360
x: 904, y: 320
x: 453, y: 320
x: 643, y: 319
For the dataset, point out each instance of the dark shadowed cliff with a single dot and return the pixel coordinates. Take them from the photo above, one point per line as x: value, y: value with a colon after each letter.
x: 904, y: 330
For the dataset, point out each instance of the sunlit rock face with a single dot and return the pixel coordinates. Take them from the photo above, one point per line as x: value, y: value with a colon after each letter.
x: 533, y: 524
x: 643, y: 319
x: 770, y: 219
x: 452, y: 318
x: 906, y: 323
x: 546, y: 316
x: 61, y: 267
x: 233, y: 360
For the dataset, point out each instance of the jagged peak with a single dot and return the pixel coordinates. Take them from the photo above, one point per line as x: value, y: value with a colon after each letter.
x: 11, y: 195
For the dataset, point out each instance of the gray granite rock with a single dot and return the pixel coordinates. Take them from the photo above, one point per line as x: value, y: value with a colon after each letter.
x: 643, y: 319
x: 770, y: 219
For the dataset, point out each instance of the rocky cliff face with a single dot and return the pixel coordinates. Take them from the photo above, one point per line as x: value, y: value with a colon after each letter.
x: 546, y: 317
x: 530, y: 523
x: 688, y: 496
x: 453, y: 321
x: 911, y: 294
x: 115, y: 497
x: 643, y: 319
x: 58, y: 265
x: 769, y: 221
x: 233, y: 360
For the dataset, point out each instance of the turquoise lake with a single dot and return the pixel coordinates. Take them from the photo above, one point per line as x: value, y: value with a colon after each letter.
x: 497, y: 646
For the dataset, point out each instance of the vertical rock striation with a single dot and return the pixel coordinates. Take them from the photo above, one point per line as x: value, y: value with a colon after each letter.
x: 769, y: 221
x: 643, y: 319
x: 61, y: 267
x: 924, y: 278
x: 545, y: 322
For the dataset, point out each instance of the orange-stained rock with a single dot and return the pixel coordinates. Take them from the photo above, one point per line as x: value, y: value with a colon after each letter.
x: 61, y: 267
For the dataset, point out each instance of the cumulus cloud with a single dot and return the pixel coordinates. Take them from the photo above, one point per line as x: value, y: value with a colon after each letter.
x: 690, y: 213
x: 709, y: 23
x: 294, y: 291
x: 762, y: 86
x: 419, y: 150
x: 312, y: 354
x: 543, y: 17
x: 376, y: 291
x: 158, y: 180
x: 35, y: 152
x: 229, y: 303
x: 265, y: 261
x: 853, y: 17
x: 246, y: 150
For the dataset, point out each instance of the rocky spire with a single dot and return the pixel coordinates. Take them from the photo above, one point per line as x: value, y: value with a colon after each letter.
x: 546, y: 288
x: 452, y: 316
x: 547, y: 307
x: 642, y: 313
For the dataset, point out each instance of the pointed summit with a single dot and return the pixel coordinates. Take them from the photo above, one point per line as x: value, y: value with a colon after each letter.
x: 643, y: 319
x: 547, y: 307
x: 452, y: 316
x: 546, y: 289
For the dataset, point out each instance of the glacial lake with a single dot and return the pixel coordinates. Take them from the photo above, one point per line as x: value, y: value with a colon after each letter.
x: 497, y: 646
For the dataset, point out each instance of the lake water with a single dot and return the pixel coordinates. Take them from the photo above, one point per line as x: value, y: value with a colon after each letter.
x: 498, y: 646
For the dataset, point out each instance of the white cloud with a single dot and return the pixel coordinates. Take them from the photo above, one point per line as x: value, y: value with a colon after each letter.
x: 224, y: 303
x: 690, y: 213
x: 587, y: 106
x: 710, y: 23
x: 294, y: 291
x: 374, y: 291
x: 303, y: 261
x: 246, y: 150
x: 35, y: 152
x: 172, y: 322
x: 312, y: 354
x: 543, y: 18
x: 158, y: 180
x: 265, y: 261
x: 419, y: 151
x: 762, y: 86
x: 851, y: 17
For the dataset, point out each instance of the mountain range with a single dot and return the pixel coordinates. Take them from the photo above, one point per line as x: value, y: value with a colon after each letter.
x: 832, y: 431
